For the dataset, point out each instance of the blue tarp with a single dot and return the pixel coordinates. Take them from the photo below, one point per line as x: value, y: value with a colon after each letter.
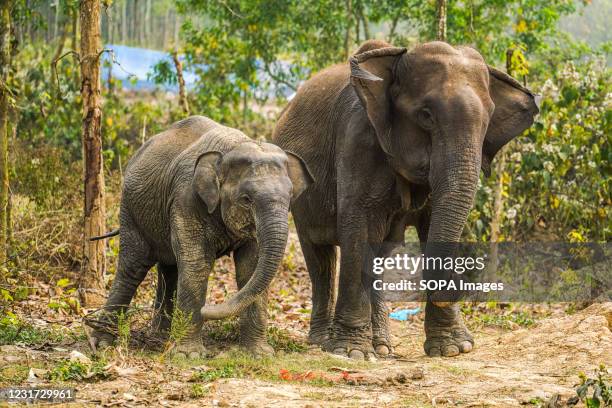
x: 132, y: 64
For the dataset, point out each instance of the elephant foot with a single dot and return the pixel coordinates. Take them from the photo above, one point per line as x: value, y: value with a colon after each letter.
x: 258, y: 349
x: 190, y: 350
x: 101, y: 339
x: 382, y: 346
x: 352, y: 342
x: 446, y: 334
x: 318, y: 334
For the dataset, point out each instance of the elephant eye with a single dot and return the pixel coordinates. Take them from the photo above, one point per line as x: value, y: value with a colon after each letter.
x: 425, y: 118
x: 245, y: 199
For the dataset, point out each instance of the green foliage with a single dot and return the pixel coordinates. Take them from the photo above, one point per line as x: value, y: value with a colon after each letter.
x: 507, y: 321
x: 50, y: 117
x: 181, y: 324
x: 15, y: 331
x: 163, y: 73
x: 600, y: 386
x: 227, y: 371
x: 66, y: 298
x: 67, y: 370
x: 123, y: 330
x: 493, y: 26
x: 198, y: 391
x: 226, y: 330
x: 286, y: 40
x: 557, y: 178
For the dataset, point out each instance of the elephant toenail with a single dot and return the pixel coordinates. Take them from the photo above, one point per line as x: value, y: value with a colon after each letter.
x: 434, y: 352
x: 357, y: 355
x: 194, y: 355
x: 339, y: 351
x: 466, y: 347
x: 450, y: 351
x: 382, y: 350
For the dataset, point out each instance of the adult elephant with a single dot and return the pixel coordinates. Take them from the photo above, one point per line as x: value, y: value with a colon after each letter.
x: 393, y: 138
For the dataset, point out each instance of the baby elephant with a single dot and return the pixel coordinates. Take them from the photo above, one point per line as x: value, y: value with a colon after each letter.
x: 192, y: 194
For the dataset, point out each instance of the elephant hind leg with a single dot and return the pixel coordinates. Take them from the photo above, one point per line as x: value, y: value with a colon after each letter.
x: 321, y: 263
x: 167, y: 276
x: 134, y: 262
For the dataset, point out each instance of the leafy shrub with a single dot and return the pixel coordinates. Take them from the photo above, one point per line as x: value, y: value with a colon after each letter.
x: 557, y: 179
x: 67, y: 370
x: 600, y: 386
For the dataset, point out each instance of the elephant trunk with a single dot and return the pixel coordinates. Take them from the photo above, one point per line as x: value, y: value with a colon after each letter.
x: 271, y: 231
x: 453, y: 191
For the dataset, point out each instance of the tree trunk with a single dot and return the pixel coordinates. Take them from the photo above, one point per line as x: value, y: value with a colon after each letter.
x: 94, y: 263
x: 177, y: 28
x: 498, y: 194
x: 166, y: 29
x: 5, y: 60
x: 347, y: 34
x: 364, y: 20
x: 11, y: 166
x: 147, y: 22
x: 181, y: 82
x: 124, y: 27
x: 498, y: 207
x: 441, y: 36
x: 75, y: 27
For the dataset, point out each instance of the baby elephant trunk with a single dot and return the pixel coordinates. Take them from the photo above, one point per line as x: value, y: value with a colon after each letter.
x: 271, y: 226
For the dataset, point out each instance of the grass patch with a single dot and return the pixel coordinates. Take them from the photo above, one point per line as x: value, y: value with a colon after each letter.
x: 16, y: 331
x: 198, y: 391
x: 281, y: 340
x: 237, y: 364
x: 12, y: 374
x: 228, y: 331
x: 506, y: 321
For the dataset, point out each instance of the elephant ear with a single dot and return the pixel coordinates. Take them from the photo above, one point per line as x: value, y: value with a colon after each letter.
x: 300, y: 175
x: 205, y: 180
x: 372, y: 83
x: 515, y: 110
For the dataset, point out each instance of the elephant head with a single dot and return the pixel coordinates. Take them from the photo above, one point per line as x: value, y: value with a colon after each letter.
x: 440, y: 114
x: 252, y: 186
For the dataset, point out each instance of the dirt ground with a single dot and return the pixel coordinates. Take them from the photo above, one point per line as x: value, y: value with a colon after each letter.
x: 532, y: 361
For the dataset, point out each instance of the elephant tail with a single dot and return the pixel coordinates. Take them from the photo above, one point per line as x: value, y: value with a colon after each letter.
x: 107, y: 235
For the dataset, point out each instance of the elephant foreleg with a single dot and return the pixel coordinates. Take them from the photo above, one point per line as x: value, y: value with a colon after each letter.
x: 194, y: 267
x: 446, y: 333
x: 254, y: 319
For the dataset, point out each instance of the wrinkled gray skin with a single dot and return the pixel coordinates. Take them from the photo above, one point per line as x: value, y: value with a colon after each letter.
x: 192, y: 194
x: 394, y: 138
